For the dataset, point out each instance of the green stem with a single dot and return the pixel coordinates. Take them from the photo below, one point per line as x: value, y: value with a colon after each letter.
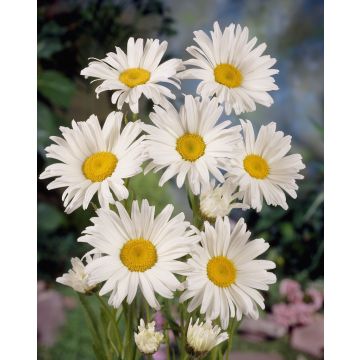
x: 184, y: 323
x: 92, y: 322
x: 129, y: 331
x: 108, y: 333
x: 112, y: 319
x: 147, y: 312
x: 233, y: 328
x: 194, y: 203
x: 167, y: 341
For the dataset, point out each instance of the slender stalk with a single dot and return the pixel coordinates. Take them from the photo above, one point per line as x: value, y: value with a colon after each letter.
x: 233, y: 328
x: 106, y: 339
x: 112, y: 319
x: 195, y: 207
x: 92, y: 322
x: 167, y: 341
x: 129, y: 331
x: 147, y: 312
x: 108, y: 333
x: 184, y: 323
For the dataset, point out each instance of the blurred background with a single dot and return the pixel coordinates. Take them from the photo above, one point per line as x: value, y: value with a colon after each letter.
x: 69, y: 32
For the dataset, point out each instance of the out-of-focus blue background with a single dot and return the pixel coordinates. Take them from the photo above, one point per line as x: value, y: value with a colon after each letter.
x: 71, y: 31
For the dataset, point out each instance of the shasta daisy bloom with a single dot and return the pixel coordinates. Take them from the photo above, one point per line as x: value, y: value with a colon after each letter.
x: 147, y: 339
x: 138, y: 251
x: 95, y: 160
x: 264, y: 171
x: 224, y: 277
x: 77, y: 277
x: 203, y: 337
x: 230, y: 68
x: 219, y: 200
x: 135, y: 73
x: 190, y: 143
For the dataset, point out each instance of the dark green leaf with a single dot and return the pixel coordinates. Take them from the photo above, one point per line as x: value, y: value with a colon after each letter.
x: 56, y: 87
x: 49, y: 218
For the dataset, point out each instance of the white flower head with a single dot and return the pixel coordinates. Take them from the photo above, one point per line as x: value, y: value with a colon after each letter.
x: 135, y: 73
x: 190, y: 143
x: 77, y: 277
x: 139, y: 250
x: 95, y: 160
x: 147, y: 339
x: 219, y: 200
x: 224, y: 276
x: 263, y: 170
x: 230, y: 68
x: 203, y: 337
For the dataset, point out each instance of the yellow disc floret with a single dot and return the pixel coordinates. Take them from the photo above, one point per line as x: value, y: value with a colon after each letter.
x: 228, y: 75
x: 221, y: 271
x: 138, y: 255
x: 190, y: 146
x: 256, y: 166
x: 97, y: 167
x: 134, y: 77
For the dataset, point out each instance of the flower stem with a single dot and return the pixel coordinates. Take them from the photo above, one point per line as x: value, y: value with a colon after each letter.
x: 233, y: 328
x: 112, y: 319
x: 167, y: 341
x: 129, y: 331
x: 194, y: 203
x: 93, y: 326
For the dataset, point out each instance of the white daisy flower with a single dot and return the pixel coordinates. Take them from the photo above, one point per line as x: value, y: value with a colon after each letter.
x: 77, y: 277
x: 138, y: 251
x: 135, y: 73
x: 264, y: 171
x: 230, y: 68
x: 219, y: 200
x: 224, y: 277
x: 190, y: 144
x: 203, y: 337
x: 95, y: 159
x: 147, y: 339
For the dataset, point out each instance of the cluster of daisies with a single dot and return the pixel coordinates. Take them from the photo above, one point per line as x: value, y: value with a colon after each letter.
x: 214, y: 266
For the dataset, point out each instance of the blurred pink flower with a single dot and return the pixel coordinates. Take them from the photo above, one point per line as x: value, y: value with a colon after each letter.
x: 159, y: 320
x: 304, y: 313
x: 283, y: 314
x: 291, y: 290
x: 316, y: 299
x: 160, y: 354
x: 292, y: 314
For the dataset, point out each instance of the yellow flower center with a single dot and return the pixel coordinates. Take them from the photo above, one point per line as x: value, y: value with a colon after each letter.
x: 134, y: 77
x: 138, y: 255
x: 256, y: 166
x: 97, y: 167
x: 190, y: 146
x: 228, y: 75
x: 221, y: 271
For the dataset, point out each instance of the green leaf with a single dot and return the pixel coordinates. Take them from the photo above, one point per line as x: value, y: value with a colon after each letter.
x: 47, y: 124
x: 46, y: 48
x: 287, y: 231
x: 57, y: 88
x: 49, y: 218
